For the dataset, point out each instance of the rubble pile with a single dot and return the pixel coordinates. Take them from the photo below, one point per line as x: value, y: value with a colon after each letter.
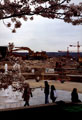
x: 17, y: 66
x: 28, y: 65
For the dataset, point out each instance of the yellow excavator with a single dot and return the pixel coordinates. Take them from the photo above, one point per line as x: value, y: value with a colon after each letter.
x: 31, y: 54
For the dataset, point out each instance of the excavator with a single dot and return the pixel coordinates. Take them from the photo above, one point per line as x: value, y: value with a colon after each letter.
x: 31, y: 54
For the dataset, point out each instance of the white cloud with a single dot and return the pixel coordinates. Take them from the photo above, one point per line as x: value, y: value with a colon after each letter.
x: 43, y: 34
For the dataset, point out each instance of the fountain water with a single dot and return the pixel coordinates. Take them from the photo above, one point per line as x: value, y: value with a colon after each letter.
x: 6, y: 68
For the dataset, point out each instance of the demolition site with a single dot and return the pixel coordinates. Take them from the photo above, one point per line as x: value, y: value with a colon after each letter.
x: 16, y: 70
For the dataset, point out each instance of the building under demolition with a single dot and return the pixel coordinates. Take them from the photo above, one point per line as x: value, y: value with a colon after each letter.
x: 3, y: 51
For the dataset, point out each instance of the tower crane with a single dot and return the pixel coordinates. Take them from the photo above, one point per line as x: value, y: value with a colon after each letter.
x: 65, y: 51
x: 78, y: 47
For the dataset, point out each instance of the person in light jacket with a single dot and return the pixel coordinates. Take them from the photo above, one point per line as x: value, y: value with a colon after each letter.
x: 53, y: 94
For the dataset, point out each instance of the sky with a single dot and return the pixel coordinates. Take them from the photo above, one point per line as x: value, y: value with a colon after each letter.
x: 43, y: 34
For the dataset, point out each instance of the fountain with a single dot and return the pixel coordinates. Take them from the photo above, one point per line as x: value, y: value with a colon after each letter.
x: 6, y: 68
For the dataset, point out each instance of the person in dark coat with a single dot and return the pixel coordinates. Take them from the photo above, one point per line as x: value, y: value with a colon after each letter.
x: 74, y: 96
x: 26, y: 95
x: 53, y: 94
x: 46, y: 92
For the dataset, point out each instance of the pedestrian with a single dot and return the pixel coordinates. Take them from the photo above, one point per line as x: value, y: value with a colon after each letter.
x: 74, y: 96
x: 46, y: 92
x: 53, y: 94
x: 26, y: 95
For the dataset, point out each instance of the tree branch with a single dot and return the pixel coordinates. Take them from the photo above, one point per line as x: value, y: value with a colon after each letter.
x: 17, y: 15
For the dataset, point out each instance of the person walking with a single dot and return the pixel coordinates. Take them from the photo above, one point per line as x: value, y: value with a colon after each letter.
x: 53, y: 94
x: 46, y: 92
x: 26, y: 95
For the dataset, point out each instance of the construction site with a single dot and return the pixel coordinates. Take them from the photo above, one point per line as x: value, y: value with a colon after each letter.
x: 65, y: 72
x: 39, y: 66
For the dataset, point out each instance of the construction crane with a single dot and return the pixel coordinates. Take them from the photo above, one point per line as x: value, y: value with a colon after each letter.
x: 66, y: 51
x: 78, y: 47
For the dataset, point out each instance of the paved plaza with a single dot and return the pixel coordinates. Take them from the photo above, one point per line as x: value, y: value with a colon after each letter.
x: 10, y: 99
